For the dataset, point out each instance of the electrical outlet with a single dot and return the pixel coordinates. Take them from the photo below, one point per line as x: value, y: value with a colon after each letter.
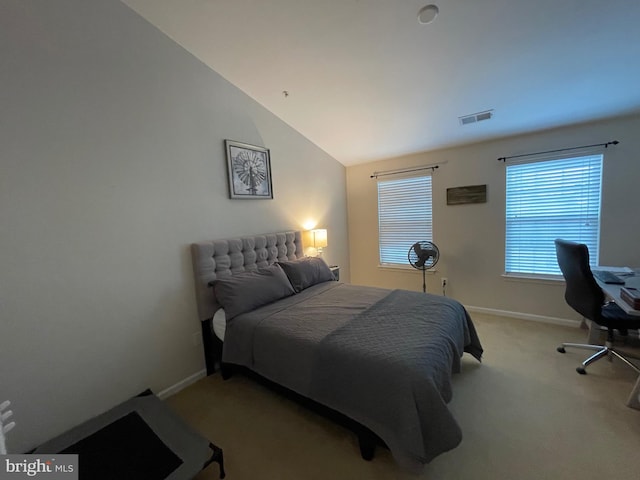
x: 196, y: 339
x: 444, y: 281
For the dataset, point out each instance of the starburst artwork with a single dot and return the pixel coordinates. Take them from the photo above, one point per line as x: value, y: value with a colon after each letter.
x: 249, y: 170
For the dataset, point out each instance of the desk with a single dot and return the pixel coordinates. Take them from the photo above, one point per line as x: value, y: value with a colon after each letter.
x: 613, y: 292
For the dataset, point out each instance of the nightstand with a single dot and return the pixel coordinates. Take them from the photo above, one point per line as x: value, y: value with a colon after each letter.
x: 335, y: 269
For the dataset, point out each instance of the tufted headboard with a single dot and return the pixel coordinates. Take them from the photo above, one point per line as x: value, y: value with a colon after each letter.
x: 221, y: 258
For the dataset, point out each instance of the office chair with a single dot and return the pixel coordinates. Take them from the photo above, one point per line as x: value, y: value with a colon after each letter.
x: 583, y: 294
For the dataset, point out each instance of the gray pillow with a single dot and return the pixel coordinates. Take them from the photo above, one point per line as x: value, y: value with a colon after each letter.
x: 244, y: 292
x: 306, y: 271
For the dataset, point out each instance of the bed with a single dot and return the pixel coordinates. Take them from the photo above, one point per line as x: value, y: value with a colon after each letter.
x: 382, y: 358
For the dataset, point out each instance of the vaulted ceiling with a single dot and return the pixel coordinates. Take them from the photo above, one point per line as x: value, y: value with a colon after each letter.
x: 365, y: 80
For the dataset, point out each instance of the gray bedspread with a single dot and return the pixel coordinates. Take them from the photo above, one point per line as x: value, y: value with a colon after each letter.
x: 381, y: 357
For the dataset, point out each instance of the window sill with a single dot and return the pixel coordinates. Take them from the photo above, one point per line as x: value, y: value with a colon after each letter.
x: 534, y: 278
x: 404, y: 268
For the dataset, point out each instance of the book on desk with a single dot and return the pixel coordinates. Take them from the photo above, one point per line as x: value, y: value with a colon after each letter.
x: 631, y: 296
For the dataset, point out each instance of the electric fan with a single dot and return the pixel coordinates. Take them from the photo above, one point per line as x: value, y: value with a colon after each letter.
x: 423, y: 256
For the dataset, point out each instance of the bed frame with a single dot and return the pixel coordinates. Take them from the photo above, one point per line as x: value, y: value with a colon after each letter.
x: 226, y: 257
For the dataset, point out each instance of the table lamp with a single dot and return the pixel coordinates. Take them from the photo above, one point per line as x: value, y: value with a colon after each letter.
x: 317, y: 239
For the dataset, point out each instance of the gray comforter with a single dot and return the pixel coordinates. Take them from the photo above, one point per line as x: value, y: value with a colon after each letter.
x: 381, y: 357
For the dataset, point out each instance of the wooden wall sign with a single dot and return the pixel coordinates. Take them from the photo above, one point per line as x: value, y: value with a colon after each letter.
x: 468, y: 194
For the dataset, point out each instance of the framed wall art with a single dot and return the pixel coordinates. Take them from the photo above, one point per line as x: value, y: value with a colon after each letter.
x: 249, y: 170
x: 469, y: 194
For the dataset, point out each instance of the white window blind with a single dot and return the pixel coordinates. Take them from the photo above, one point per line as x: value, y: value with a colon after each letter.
x: 551, y: 199
x: 404, y: 217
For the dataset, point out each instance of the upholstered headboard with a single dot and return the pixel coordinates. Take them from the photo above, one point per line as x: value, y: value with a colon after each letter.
x: 221, y: 258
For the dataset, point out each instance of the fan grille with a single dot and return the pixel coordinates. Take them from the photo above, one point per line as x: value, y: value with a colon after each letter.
x: 423, y: 255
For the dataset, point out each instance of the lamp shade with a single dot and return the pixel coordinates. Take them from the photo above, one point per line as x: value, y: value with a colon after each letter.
x: 316, y: 238
x: 319, y: 237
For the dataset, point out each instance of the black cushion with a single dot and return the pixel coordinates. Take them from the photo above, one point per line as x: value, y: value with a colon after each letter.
x: 126, y: 445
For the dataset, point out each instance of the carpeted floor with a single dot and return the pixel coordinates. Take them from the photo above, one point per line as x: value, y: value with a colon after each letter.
x: 525, y: 414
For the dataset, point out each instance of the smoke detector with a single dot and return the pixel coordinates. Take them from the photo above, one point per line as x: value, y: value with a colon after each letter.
x: 428, y: 14
x: 476, y: 117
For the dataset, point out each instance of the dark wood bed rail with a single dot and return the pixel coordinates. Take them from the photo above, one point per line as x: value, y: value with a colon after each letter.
x: 212, y: 347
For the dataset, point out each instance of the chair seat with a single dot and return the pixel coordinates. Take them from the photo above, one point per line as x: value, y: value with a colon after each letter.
x: 614, y: 317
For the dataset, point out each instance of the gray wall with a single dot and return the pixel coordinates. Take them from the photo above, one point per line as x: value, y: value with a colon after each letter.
x: 471, y: 237
x: 111, y: 163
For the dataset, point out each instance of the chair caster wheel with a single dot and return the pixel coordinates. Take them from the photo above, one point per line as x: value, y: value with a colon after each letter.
x: 581, y: 371
x: 561, y: 350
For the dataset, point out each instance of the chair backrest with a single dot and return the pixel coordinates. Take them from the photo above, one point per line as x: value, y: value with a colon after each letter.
x: 582, y: 292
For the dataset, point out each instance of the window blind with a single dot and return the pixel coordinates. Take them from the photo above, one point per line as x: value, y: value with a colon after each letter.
x: 404, y: 217
x: 551, y: 199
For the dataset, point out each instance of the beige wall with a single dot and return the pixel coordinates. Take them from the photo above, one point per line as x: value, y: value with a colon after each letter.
x: 471, y: 237
x: 111, y: 163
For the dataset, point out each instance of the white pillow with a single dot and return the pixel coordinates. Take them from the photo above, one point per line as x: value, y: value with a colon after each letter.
x: 220, y: 323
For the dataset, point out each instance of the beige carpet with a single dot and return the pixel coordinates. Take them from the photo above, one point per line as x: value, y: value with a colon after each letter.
x: 524, y: 412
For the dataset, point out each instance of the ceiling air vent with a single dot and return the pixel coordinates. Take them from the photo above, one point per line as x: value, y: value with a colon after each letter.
x: 476, y: 117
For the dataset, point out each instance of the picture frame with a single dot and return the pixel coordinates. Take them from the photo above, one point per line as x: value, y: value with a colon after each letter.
x: 468, y: 194
x: 249, y: 171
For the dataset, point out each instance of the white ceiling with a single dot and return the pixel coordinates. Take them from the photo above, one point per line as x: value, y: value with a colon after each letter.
x: 367, y: 81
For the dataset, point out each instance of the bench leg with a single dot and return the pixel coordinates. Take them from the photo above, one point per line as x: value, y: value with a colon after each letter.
x: 218, y: 457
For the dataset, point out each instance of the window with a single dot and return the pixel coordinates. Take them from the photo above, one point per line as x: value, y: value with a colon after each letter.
x: 404, y: 217
x: 551, y: 199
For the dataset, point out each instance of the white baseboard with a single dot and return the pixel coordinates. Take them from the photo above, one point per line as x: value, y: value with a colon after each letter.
x: 525, y: 316
x: 182, y: 384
